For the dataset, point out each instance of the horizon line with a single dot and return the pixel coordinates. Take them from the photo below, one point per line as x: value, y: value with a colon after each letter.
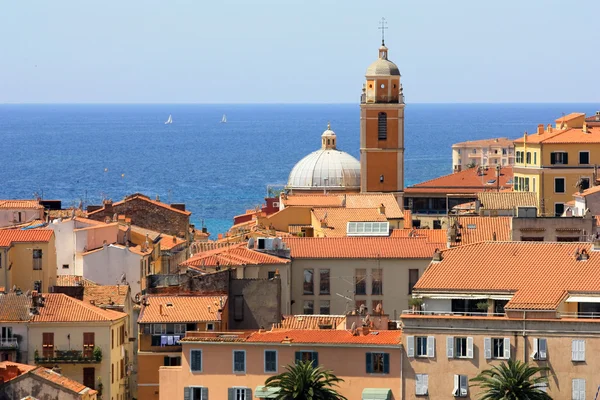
x: 286, y: 103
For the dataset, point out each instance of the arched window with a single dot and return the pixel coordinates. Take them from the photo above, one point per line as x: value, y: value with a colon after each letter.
x: 382, y: 126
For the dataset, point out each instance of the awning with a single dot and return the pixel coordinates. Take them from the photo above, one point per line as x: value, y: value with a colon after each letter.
x: 583, y: 299
x: 376, y: 394
x: 426, y: 296
x: 263, y: 392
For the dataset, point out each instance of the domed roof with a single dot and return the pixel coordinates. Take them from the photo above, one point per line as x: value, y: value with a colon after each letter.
x: 327, y: 168
x: 383, y: 66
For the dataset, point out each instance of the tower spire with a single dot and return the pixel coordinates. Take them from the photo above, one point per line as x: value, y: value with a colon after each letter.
x: 383, y: 27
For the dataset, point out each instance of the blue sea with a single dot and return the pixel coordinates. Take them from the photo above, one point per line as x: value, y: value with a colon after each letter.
x: 86, y: 153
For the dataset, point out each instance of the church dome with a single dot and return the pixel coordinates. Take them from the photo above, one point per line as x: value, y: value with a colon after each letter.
x: 383, y: 66
x: 326, y: 169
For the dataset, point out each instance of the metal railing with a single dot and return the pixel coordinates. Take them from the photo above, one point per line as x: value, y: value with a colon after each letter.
x: 66, y: 356
x: 453, y: 313
x: 9, y: 343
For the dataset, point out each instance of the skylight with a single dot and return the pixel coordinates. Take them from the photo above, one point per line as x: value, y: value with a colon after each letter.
x: 368, y: 229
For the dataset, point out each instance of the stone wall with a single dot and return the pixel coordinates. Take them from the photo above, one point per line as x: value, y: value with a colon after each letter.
x: 29, y: 385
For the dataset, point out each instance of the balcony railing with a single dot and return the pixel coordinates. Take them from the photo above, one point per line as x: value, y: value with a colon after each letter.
x: 9, y: 343
x: 66, y: 356
x: 453, y: 313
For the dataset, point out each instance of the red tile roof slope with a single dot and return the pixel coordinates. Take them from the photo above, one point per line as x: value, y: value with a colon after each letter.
x: 235, y: 255
x: 432, y: 235
x: 59, y: 307
x: 361, y: 247
x: 168, y: 242
x: 485, y: 142
x: 14, y: 307
x: 314, y: 200
x: 569, y: 117
x: 464, y: 182
x: 20, y: 204
x: 480, y: 229
x: 62, y: 380
x: 73, y: 280
x: 588, y: 191
x: 22, y: 368
x: 540, y: 273
x: 374, y: 200
x: 145, y: 198
x: 314, y: 336
x: 106, y: 295
x: 311, y: 321
x: 181, y: 309
x: 337, y: 218
x: 8, y: 237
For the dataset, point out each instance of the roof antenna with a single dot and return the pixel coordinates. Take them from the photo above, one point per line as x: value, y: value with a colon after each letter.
x: 383, y: 27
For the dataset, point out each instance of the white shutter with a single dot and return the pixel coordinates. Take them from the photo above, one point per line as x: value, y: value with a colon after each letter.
x: 535, y: 354
x: 582, y: 389
x: 425, y: 383
x: 506, y: 348
x: 542, y: 349
x: 469, y: 347
x: 410, y: 346
x: 463, y: 385
x: 575, y: 383
x: 455, y: 391
x: 582, y: 350
x: 574, y: 350
x: 419, y: 384
x: 487, y: 347
x: 430, y: 346
x: 450, y: 346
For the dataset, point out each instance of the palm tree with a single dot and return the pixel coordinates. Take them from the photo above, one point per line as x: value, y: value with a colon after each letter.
x: 513, y: 380
x: 303, y: 381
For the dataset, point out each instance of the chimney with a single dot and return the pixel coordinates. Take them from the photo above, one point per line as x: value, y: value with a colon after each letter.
x: 161, y: 309
x: 585, y: 128
x: 382, y: 209
x: 596, y: 245
x: 437, y: 255
x: 549, y: 128
x: 108, y: 206
x: 34, y: 298
x: 540, y: 130
x: 365, y: 330
x: 178, y: 206
x: 597, y: 115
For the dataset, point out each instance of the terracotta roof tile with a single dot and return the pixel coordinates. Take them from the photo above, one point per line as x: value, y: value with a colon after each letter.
x: 73, y: 280
x: 337, y: 218
x: 20, y: 204
x: 431, y: 235
x: 500, y: 142
x: 565, y: 136
x: 569, y: 117
x: 465, y: 182
x: 106, y: 295
x: 311, y: 321
x: 588, y: 191
x: 235, y: 255
x: 360, y: 247
x: 540, y: 274
x: 181, y: 309
x: 23, y: 368
x: 314, y: 200
x: 62, y: 380
x: 144, y: 198
x: 507, y: 200
x: 152, y: 235
x: 88, y: 221
x: 480, y: 229
x: 7, y: 237
x: 14, y: 307
x: 364, y: 200
x: 168, y: 242
x: 59, y: 307
x: 314, y: 336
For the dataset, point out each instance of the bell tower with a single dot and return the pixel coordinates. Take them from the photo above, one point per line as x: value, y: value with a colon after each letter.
x: 382, y: 126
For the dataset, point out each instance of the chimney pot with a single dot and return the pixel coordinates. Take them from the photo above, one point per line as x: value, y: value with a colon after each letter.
x: 540, y: 129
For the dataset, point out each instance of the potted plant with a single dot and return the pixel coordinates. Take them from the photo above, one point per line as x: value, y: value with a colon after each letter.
x: 97, y: 354
x: 36, y: 355
x: 483, y: 306
x: 415, y: 303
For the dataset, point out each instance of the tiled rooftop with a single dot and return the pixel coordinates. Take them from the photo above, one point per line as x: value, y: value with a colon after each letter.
x: 181, y: 309
x: 234, y: 255
x: 466, y: 181
x: 311, y: 321
x: 315, y: 200
x: 337, y: 218
x: 480, y: 229
x: 569, y: 117
x: 144, y: 198
x: 106, y: 295
x: 500, y: 142
x: 14, y: 307
x: 62, y: 380
x: 360, y: 247
x: 73, y: 280
x: 368, y: 200
x: 507, y: 200
x: 20, y: 204
x: 588, y: 191
x: 431, y: 235
x: 541, y: 274
x: 59, y: 307
x: 168, y: 242
x: 7, y: 237
x: 565, y: 136
x: 314, y: 336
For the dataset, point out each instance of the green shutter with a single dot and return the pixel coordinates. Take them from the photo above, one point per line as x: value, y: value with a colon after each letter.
x: 204, y: 391
x: 187, y: 393
x: 315, y: 359
x: 552, y: 158
x: 248, y: 394
x: 386, y: 363
x: 166, y: 362
x: 298, y: 356
x: 369, y: 363
x: 231, y: 394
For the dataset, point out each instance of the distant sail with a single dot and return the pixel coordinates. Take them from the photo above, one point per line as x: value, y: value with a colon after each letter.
x: 224, y: 119
x: 169, y: 120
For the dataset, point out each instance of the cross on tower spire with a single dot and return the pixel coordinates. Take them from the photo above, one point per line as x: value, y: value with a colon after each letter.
x: 383, y: 27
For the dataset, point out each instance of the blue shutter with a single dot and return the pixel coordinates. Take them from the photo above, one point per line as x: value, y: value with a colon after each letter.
x: 298, y: 356
x: 386, y: 363
x: 231, y: 394
x: 187, y: 393
x: 315, y: 359
x: 248, y: 394
x: 204, y: 393
x: 369, y: 363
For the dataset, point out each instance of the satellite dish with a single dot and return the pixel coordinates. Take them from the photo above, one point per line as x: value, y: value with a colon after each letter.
x: 353, y: 328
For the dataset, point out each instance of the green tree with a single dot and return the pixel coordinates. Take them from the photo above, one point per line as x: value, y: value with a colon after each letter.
x: 303, y: 381
x: 512, y: 380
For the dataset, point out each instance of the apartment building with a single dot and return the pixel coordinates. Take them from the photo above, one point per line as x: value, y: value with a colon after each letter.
x: 18, y: 212
x: 485, y: 153
x: 485, y: 303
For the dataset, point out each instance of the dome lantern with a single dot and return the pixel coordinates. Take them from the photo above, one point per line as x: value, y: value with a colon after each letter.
x: 328, y: 139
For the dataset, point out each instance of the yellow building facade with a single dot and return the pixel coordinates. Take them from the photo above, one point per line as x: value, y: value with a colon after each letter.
x: 556, y: 161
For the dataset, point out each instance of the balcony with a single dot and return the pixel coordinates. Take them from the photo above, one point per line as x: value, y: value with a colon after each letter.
x: 68, y: 356
x: 11, y: 343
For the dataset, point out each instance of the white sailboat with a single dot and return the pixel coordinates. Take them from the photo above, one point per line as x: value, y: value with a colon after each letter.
x: 169, y: 120
x: 224, y: 119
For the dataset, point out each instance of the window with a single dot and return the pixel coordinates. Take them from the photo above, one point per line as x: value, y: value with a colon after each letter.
x: 66, y: 266
x: 323, y: 281
x: 112, y: 373
x: 239, y: 394
x: 324, y: 307
x: 499, y: 304
x: 585, y: 183
x: 421, y: 382
x: 559, y: 185
x: 413, y: 277
x: 112, y: 338
x: 559, y: 209
x: 460, y: 386
x: 540, y: 349
x: 382, y: 126
x: 496, y: 348
x: 535, y: 157
x: 425, y: 346
x: 503, y: 152
x: 528, y: 158
x: 37, y: 259
x: 309, y: 307
x: 578, y: 350
x: 304, y: 356
x: 559, y: 158
x: 48, y: 344
x: 377, y: 281
x: 360, y: 279
x: 37, y: 285
x: 309, y: 287
x: 378, y: 363
x: 270, y: 275
x: 584, y: 157
x: 122, y: 369
x: 270, y: 361
x: 459, y: 347
x: 368, y: 228
x: 196, y: 360
x: 578, y: 389
x: 88, y: 344
x: 474, y: 151
x: 172, y: 361
x: 238, y: 307
x: 239, y: 361
x: 89, y: 377
x: 195, y: 393
x: 210, y: 326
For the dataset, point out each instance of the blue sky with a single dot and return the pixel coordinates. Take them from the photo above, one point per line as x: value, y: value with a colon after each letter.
x: 296, y: 51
